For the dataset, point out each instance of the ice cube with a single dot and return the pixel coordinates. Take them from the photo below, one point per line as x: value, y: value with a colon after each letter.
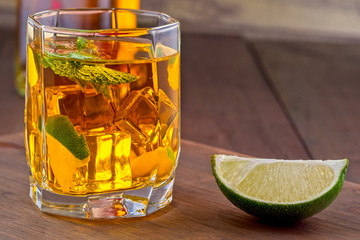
x: 139, y: 114
x: 100, y: 146
x: 168, y: 110
x: 97, y: 110
x: 170, y: 134
x: 119, y: 94
x: 121, y: 160
x: 145, y: 73
x: 126, y: 126
x: 109, y: 160
x: 65, y: 100
x: 169, y: 119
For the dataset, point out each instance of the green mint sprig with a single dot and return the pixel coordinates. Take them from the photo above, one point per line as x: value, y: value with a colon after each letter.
x: 69, y: 66
x: 73, y: 67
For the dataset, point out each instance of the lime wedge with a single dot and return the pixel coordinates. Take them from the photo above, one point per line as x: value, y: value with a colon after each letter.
x: 60, y: 127
x: 67, y: 151
x: 161, y: 159
x: 32, y: 73
x: 279, y: 190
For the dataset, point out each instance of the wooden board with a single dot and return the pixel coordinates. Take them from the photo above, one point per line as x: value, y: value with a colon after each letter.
x: 320, y: 86
x: 198, y: 211
x: 227, y: 103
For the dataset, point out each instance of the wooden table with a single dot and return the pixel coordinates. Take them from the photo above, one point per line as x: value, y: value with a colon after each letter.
x: 198, y: 211
x: 276, y: 99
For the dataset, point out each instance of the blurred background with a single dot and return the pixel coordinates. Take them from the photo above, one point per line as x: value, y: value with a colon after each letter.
x: 302, y: 19
x: 278, y: 79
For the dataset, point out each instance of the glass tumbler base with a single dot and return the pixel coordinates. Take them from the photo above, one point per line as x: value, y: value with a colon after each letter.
x: 130, y: 203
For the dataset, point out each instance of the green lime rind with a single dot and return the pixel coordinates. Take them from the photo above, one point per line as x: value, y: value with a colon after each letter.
x: 280, y: 212
x: 70, y: 66
x: 60, y: 128
x: 170, y: 153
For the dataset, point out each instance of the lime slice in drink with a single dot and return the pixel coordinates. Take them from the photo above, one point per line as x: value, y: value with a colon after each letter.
x: 67, y: 150
x: 32, y: 73
x: 279, y: 190
x: 161, y: 159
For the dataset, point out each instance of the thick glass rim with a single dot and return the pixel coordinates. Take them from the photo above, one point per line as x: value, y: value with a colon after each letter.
x: 171, y: 22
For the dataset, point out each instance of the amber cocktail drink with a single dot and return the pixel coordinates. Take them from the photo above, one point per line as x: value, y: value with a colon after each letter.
x: 102, y: 111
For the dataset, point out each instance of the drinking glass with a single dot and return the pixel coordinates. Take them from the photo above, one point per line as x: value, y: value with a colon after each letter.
x: 102, y: 114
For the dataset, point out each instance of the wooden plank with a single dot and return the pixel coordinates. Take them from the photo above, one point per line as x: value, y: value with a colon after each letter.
x: 319, y: 85
x: 11, y: 104
x: 226, y: 102
x: 199, y: 210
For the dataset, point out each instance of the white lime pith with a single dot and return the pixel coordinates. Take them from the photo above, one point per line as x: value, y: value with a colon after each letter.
x: 279, y: 189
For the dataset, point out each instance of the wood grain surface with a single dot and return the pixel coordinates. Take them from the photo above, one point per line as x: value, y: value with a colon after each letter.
x: 227, y: 103
x: 198, y: 211
x: 319, y: 84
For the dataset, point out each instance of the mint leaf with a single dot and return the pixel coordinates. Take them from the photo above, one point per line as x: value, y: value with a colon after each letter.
x: 81, y: 56
x: 68, y: 66
x: 81, y: 43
